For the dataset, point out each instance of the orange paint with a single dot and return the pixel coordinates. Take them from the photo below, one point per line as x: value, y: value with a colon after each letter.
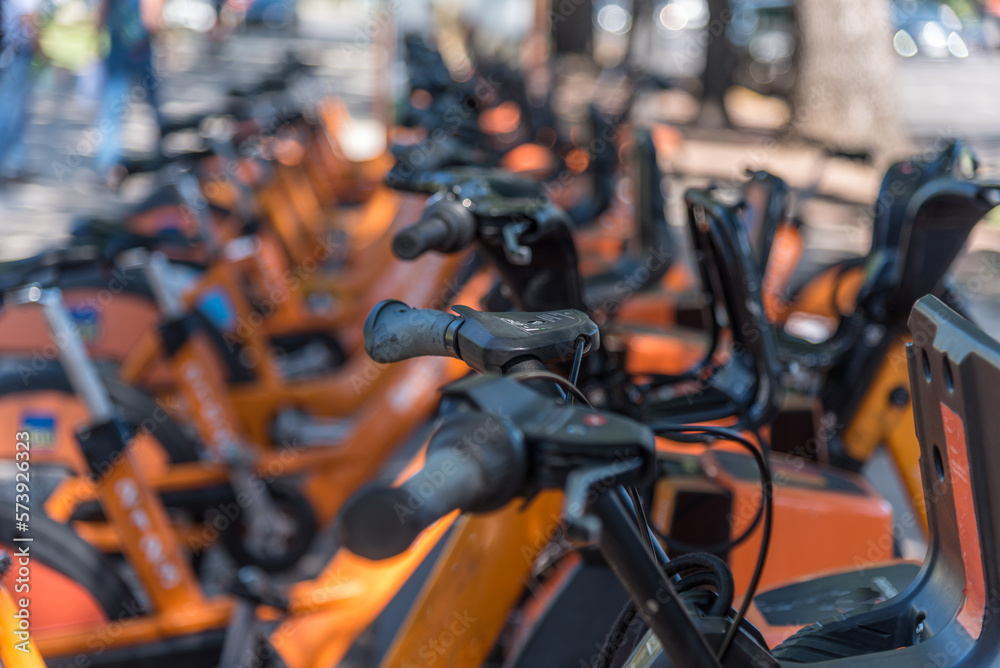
x: 973, y: 609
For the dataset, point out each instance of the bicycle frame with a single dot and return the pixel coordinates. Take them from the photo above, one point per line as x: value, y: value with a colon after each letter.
x: 331, y: 472
x: 488, y: 561
x: 148, y: 542
x: 12, y: 653
x: 181, y: 609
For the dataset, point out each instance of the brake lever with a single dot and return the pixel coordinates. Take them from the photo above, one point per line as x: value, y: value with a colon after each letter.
x: 513, y: 250
x: 583, y: 528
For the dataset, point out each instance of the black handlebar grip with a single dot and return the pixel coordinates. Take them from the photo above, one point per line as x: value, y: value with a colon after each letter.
x: 446, y: 226
x: 415, y: 240
x: 394, y: 332
x: 461, y: 472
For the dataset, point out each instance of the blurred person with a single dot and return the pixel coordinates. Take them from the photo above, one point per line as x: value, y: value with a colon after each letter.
x: 228, y: 14
x: 129, y: 76
x: 18, y: 45
x: 220, y: 30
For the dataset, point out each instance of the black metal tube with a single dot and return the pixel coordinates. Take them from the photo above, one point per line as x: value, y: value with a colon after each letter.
x: 625, y: 552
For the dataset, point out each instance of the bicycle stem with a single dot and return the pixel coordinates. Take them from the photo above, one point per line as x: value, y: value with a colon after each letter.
x: 656, y: 598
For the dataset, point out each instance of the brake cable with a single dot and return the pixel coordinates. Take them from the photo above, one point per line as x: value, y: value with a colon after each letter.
x: 718, y: 548
x: 566, y: 383
x: 640, y: 516
x: 581, y: 345
x: 766, y: 508
x: 522, y: 376
x: 574, y: 373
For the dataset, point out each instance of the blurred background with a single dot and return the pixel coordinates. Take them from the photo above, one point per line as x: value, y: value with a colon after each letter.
x: 882, y: 77
x: 823, y: 93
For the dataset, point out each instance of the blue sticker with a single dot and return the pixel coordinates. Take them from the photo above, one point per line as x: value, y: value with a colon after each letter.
x: 215, y: 305
x: 87, y: 321
x: 41, y: 427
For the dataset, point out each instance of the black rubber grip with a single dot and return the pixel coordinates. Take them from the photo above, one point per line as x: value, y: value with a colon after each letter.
x: 394, y: 332
x: 447, y: 226
x: 461, y: 472
x: 428, y: 234
x: 145, y: 165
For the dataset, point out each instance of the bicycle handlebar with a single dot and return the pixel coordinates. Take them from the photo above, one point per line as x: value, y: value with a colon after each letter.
x: 428, y: 234
x: 395, y: 332
x: 460, y: 473
x: 487, y: 342
x: 446, y: 226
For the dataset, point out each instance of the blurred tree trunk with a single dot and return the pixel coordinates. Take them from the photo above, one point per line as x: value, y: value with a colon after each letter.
x: 720, y: 61
x: 572, y: 26
x: 845, y: 94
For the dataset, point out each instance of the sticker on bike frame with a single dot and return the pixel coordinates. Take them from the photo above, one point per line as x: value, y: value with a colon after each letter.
x: 217, y: 307
x: 88, y: 322
x: 42, y: 427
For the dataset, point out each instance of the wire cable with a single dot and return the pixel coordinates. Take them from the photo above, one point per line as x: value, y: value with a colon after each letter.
x: 767, y: 508
x: 718, y: 548
x: 522, y: 376
x: 643, y: 525
x: 574, y: 373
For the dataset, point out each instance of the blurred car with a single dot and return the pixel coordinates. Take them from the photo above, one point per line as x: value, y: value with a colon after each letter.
x: 930, y: 29
x: 272, y: 13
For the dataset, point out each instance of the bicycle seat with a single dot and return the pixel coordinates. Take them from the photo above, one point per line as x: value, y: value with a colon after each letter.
x: 114, y: 237
x: 16, y: 273
x: 747, y: 384
x: 652, y: 249
x: 432, y: 155
x: 947, y: 610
